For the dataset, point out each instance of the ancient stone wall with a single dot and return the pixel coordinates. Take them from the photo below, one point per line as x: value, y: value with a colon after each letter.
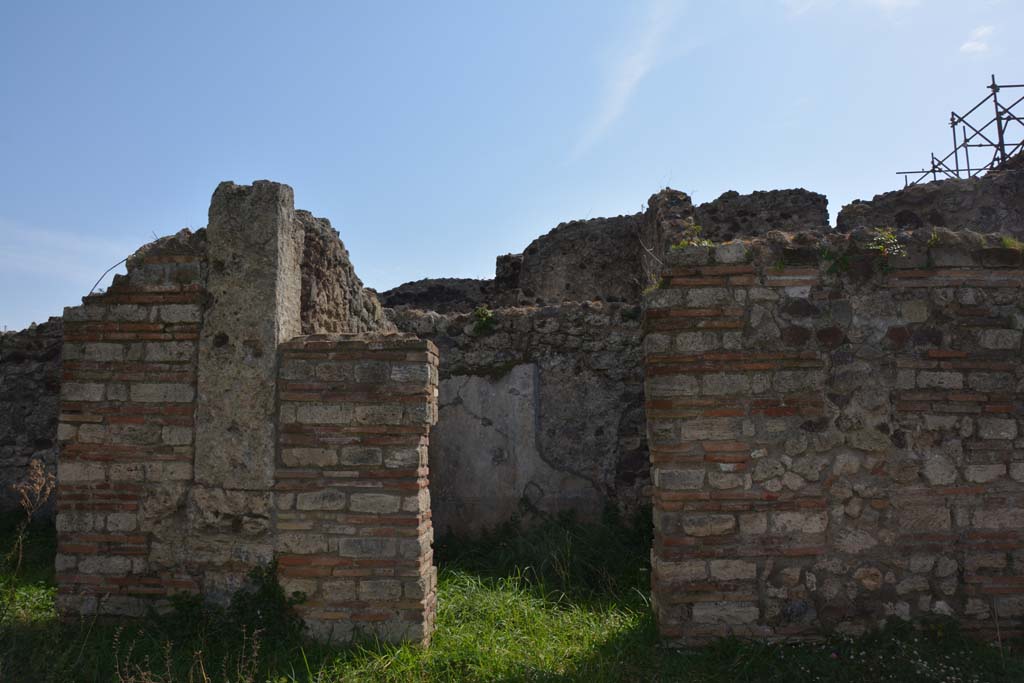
x: 992, y: 203
x: 353, y: 508
x: 444, y: 295
x: 333, y: 296
x: 182, y: 457
x: 127, y: 434
x: 836, y: 435
x: 734, y: 215
x: 541, y: 409
x: 583, y: 261
x: 29, y: 395
x: 541, y: 406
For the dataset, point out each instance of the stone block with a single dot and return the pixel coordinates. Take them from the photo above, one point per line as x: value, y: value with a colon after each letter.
x: 377, y: 503
x: 914, y: 311
x: 319, y: 413
x: 799, y: 522
x: 732, y: 570
x: 309, y: 457
x: 301, y: 543
x: 387, y: 414
x: 679, y: 480
x: 999, y: 518
x: 732, y: 613
x: 753, y: 523
x: 681, y: 571
x: 928, y: 379
x: 709, y: 297
x: 402, y: 458
x: 339, y: 590
x: 711, y: 428
x: 731, y: 252
x: 999, y: 339
x: 101, y: 564
x: 924, y: 518
x: 408, y: 373
x: 82, y: 391
x: 162, y: 393
x: 938, y: 469
x: 177, y: 436
x: 179, y: 313
x: 997, y: 428
x: 983, y: 474
x: 717, y: 384
x: 709, y: 524
x: 793, y: 381
x: 169, y: 352
x: 328, y: 499
x: 693, y: 343
x: 69, y: 471
x: 380, y: 590
x: 380, y: 548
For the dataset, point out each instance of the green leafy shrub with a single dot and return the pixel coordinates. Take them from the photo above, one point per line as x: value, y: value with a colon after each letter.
x: 886, y: 243
x: 483, y: 320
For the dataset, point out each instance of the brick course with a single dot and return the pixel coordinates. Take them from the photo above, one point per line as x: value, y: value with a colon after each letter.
x: 836, y: 435
x: 158, y: 491
x: 353, y: 507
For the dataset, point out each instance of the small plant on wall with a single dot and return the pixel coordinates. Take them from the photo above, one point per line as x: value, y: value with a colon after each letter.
x: 1009, y: 242
x: 483, y: 320
x: 692, y: 238
x: 838, y: 262
x: 886, y: 244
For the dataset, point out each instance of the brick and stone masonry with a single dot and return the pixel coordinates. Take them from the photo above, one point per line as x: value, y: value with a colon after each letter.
x: 186, y: 460
x: 834, y: 421
x: 836, y: 435
x: 128, y: 399
x: 353, y: 507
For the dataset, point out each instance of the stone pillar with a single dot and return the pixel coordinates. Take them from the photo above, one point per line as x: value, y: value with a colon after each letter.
x: 353, y: 528
x: 254, y: 284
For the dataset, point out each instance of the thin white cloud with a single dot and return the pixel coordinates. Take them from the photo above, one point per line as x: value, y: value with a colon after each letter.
x: 977, y: 42
x: 798, y: 7
x: 894, y: 5
x: 627, y: 74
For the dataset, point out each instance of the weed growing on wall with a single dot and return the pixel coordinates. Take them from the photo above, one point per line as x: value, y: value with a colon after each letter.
x: 692, y: 238
x: 1010, y: 242
x: 838, y: 262
x: 886, y: 244
x: 483, y: 320
x: 656, y: 285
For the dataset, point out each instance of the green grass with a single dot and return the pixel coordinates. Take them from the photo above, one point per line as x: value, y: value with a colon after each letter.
x: 559, y: 602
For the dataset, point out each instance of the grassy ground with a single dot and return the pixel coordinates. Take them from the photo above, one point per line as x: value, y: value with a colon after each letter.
x: 562, y: 602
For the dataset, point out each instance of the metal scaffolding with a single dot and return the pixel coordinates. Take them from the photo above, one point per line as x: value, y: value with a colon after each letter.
x: 1005, y: 126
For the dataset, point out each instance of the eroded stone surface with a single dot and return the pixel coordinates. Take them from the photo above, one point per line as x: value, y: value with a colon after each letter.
x: 29, y: 395
x: 255, y: 252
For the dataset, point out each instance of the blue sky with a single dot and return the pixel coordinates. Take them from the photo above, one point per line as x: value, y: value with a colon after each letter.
x: 436, y: 136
